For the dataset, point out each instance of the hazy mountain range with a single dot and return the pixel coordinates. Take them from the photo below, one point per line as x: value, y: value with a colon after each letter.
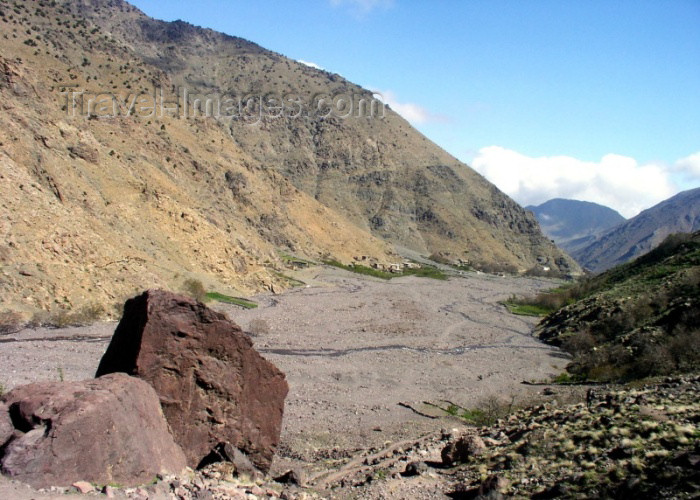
x: 572, y: 223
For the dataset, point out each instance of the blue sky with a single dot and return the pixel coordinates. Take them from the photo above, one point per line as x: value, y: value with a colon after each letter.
x: 586, y: 99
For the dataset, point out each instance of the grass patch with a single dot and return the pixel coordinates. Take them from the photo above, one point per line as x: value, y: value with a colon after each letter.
x: 514, y: 307
x: 293, y: 282
x: 567, y: 378
x: 425, y: 272
x: 296, y: 260
x: 360, y: 269
x: 227, y: 299
x: 421, y: 272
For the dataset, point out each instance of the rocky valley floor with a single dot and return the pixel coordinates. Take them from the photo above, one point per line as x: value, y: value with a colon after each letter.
x: 368, y: 363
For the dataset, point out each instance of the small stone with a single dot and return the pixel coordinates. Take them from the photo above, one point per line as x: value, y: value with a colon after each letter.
x: 292, y: 476
x: 415, y: 469
x: 83, y: 487
x: 108, y: 491
x: 462, y: 450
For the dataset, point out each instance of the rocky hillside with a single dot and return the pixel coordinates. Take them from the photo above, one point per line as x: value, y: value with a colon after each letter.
x: 635, y: 320
x: 572, y: 223
x: 623, y: 443
x: 104, y: 192
x: 637, y: 236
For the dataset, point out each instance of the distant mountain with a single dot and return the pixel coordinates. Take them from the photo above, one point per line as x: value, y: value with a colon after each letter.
x: 640, y: 234
x: 572, y: 223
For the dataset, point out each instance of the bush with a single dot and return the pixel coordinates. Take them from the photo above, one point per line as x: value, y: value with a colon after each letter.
x: 84, y: 316
x: 195, y: 289
x: 10, y: 322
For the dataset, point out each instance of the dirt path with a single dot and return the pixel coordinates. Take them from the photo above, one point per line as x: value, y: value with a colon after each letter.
x: 354, y: 350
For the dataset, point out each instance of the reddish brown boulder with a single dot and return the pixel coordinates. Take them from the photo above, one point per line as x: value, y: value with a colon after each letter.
x: 106, y: 430
x: 215, y: 389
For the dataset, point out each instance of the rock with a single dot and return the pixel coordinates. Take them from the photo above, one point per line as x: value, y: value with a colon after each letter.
x: 213, y: 386
x: 107, y: 430
x: 83, y: 487
x: 462, y: 450
x: 292, y: 476
x: 227, y: 453
x: 6, y: 427
x: 493, y: 487
x: 415, y: 469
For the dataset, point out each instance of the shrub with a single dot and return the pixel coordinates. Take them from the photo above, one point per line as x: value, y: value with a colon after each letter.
x: 10, y: 322
x: 86, y: 315
x: 195, y: 289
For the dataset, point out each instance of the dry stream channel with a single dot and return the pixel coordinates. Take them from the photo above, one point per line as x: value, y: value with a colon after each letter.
x: 358, y: 353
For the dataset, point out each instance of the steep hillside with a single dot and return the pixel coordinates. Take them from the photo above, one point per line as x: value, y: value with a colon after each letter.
x: 637, y: 236
x: 637, y: 319
x: 103, y: 192
x: 572, y: 223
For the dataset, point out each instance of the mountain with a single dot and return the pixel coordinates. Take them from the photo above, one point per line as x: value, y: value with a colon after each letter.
x: 138, y: 153
x: 634, y: 320
x: 640, y: 234
x: 573, y: 223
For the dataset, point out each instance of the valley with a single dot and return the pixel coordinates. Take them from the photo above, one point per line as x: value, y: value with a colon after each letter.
x: 358, y: 353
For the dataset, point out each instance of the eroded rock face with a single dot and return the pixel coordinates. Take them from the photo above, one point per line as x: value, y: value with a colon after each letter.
x: 106, y: 430
x: 213, y: 386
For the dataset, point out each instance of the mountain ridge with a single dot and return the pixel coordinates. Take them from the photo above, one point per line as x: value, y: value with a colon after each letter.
x: 642, y: 233
x: 97, y: 206
x: 573, y: 223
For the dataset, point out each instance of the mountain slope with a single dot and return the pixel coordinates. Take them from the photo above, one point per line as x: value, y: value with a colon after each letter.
x: 101, y: 195
x: 640, y: 234
x: 573, y: 223
x: 637, y: 319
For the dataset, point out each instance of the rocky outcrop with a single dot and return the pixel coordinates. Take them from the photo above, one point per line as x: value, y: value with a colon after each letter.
x: 215, y: 388
x: 107, y: 430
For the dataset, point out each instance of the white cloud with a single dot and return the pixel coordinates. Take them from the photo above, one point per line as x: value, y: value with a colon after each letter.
x: 414, y: 113
x: 616, y: 181
x: 311, y: 64
x: 363, y: 6
x: 690, y: 165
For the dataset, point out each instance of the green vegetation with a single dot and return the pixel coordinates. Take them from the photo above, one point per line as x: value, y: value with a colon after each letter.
x: 515, y: 306
x: 423, y: 272
x: 293, y: 282
x: 487, y: 412
x: 549, y: 301
x: 220, y: 297
x: 637, y: 320
x: 360, y: 269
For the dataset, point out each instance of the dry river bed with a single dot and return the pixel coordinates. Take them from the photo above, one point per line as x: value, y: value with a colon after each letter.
x: 358, y: 353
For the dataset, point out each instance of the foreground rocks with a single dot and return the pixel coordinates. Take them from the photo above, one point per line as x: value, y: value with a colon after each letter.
x: 625, y: 443
x: 215, y: 389
x: 107, y: 430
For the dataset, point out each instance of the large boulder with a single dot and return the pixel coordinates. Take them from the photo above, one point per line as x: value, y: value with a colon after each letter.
x: 105, y: 430
x: 215, y: 389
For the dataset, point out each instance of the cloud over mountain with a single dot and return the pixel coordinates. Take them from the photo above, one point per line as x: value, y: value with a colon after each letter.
x: 617, y: 181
